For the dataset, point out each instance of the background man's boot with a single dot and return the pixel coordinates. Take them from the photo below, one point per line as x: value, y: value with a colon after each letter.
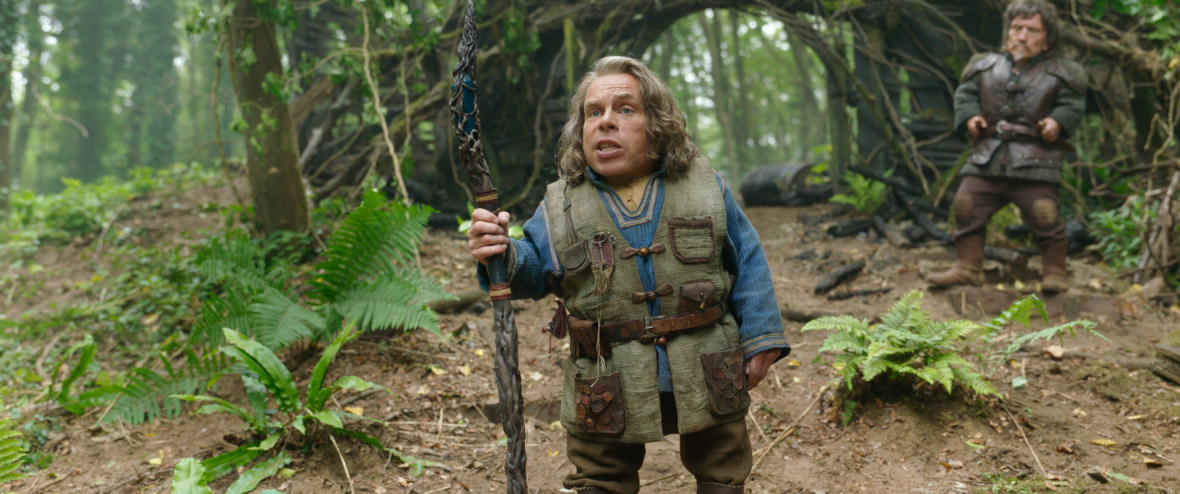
x: 1054, y: 279
x: 968, y: 269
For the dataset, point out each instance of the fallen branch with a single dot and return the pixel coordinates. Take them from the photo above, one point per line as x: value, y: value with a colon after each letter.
x: 761, y: 453
x: 840, y: 276
x: 462, y: 300
x: 849, y: 228
x: 1026, y: 443
x: 891, y: 234
x: 854, y: 293
x: 798, y: 315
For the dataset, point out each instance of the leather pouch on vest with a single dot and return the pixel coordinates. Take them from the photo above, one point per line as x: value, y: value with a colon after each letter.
x: 726, y: 380
x: 577, y: 257
x: 696, y: 296
x: 599, y: 404
x: 585, y: 341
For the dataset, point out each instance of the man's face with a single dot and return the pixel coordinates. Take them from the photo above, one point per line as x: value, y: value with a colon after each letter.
x: 1027, y: 37
x: 614, y: 134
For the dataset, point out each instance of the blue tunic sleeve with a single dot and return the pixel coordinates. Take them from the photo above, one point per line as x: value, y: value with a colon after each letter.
x: 752, y: 301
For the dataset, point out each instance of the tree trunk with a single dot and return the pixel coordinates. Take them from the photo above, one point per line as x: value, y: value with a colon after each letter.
x: 35, y: 42
x: 8, y: 32
x: 720, y: 89
x: 810, y: 101
x: 271, y: 156
x: 741, y: 110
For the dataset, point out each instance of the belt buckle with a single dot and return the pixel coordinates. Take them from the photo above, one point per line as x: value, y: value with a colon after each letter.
x: 648, y: 336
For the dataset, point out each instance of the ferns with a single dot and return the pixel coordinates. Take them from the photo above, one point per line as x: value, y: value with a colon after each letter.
x: 10, y: 453
x: 907, y: 342
x: 137, y: 399
x: 369, y: 278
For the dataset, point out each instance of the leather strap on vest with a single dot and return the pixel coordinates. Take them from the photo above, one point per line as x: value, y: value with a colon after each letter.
x: 585, y: 336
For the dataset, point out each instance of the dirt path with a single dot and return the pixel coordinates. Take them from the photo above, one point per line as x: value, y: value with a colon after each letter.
x: 910, y: 442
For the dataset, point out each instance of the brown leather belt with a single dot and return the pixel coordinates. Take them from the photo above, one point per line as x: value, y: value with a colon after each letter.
x: 647, y: 330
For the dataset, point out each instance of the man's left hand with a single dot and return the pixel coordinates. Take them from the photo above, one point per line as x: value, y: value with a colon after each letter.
x: 1049, y: 128
x: 758, y: 365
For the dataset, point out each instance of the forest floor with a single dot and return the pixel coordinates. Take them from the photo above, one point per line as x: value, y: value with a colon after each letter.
x: 1095, y: 413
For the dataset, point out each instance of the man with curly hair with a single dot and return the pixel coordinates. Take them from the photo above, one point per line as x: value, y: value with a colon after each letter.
x: 1020, y: 107
x: 672, y: 316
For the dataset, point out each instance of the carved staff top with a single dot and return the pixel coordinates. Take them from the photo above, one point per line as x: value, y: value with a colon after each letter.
x: 466, y: 112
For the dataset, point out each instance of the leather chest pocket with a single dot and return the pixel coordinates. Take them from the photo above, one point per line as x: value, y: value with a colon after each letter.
x: 692, y: 239
x: 599, y: 405
x: 726, y: 381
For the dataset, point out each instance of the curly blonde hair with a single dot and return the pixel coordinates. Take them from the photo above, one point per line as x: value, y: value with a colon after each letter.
x: 667, y: 135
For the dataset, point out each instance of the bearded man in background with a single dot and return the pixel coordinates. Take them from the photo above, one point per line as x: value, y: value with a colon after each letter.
x: 1019, y: 107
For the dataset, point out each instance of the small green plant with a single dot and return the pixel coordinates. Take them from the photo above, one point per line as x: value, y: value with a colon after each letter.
x: 907, y: 342
x: 1120, y: 231
x: 1022, y: 311
x: 864, y: 194
x: 11, y: 452
x: 266, y: 379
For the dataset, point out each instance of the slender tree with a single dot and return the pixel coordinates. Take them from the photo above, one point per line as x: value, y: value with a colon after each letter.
x: 721, y: 96
x: 155, y: 101
x: 28, y: 114
x: 271, y: 155
x: 88, y: 59
x: 9, y: 29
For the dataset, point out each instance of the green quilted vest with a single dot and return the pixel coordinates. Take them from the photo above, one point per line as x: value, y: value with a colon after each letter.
x: 692, y: 229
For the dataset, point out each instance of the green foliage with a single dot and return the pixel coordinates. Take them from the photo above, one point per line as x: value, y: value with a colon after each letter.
x: 267, y: 380
x: 864, y: 194
x: 136, y: 393
x: 187, y: 478
x: 369, y: 275
x: 11, y: 452
x: 84, y: 208
x: 906, y: 343
x: 1022, y: 311
x: 1121, y: 233
x: 1162, y: 18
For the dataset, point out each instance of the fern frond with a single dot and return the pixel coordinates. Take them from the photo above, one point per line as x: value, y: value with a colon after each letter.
x: 146, y: 394
x: 846, y: 342
x: 237, y: 259
x: 959, y: 329
x: 883, y: 349
x: 974, y: 381
x: 873, y: 367
x: 898, y: 316
x: 394, y: 301
x: 11, y: 453
x: 278, y: 320
x: 371, y: 241
x: 1020, y: 311
x: 229, y: 311
x: 838, y: 323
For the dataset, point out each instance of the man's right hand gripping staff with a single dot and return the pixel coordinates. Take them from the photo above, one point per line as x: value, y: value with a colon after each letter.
x: 488, y: 234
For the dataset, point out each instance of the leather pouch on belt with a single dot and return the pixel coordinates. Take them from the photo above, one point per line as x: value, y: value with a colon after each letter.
x: 577, y: 257
x: 586, y: 342
x: 726, y: 381
x: 696, y: 296
x: 600, y: 404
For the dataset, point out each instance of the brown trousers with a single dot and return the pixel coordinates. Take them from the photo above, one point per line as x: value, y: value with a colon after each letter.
x: 979, y: 198
x: 718, y: 455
